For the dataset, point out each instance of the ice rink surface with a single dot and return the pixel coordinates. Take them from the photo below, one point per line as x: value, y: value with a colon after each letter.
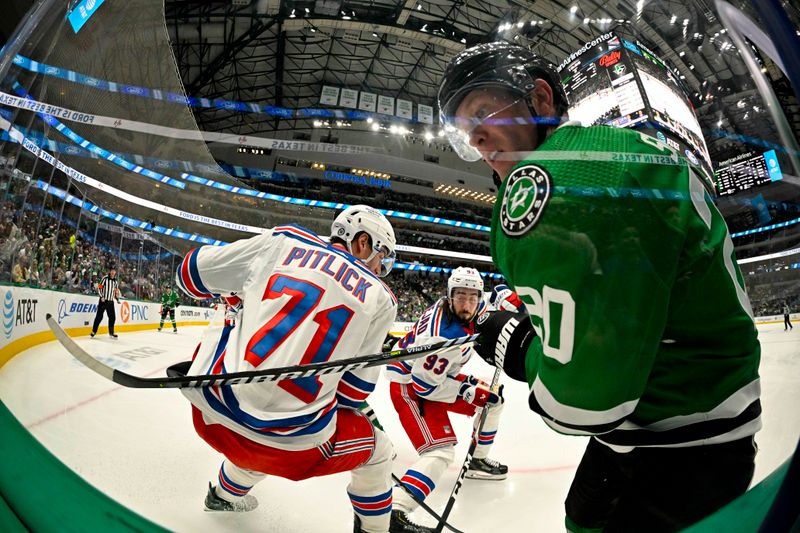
x: 139, y: 446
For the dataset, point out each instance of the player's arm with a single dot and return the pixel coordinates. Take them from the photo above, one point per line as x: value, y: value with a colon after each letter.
x: 209, y: 271
x: 356, y: 385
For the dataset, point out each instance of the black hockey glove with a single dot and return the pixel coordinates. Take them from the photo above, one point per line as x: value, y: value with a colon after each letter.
x: 504, y: 340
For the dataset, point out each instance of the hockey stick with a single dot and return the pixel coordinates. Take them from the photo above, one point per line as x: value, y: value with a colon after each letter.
x: 468, y: 459
x: 252, y: 376
x: 425, y: 506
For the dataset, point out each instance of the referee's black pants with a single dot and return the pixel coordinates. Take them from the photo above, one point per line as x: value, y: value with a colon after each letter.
x: 656, y: 490
x: 108, y: 307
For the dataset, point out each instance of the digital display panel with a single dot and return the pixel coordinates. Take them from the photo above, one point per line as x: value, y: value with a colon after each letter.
x: 614, y: 81
x: 669, y: 107
x: 746, y: 171
x: 601, y: 86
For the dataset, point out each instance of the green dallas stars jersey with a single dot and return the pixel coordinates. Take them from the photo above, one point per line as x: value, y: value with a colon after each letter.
x: 645, y: 333
x: 169, y: 301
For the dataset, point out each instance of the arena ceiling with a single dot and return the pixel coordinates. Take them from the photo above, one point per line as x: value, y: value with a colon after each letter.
x: 281, y: 52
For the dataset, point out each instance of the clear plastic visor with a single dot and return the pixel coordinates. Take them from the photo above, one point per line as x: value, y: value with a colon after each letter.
x: 387, y: 261
x: 482, y: 107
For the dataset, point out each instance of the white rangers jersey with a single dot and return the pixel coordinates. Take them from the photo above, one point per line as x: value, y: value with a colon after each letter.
x: 434, y: 377
x: 304, y: 301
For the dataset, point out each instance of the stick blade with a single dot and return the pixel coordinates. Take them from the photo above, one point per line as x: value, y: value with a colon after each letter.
x: 77, y: 352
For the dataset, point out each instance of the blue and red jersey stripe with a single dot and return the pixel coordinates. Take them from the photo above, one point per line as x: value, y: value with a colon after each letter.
x: 188, y: 277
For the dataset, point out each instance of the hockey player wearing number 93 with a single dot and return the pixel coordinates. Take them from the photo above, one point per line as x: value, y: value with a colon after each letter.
x: 640, y: 333
x: 298, y: 300
x: 424, y: 391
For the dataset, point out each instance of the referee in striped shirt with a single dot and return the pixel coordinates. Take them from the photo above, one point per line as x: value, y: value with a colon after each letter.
x: 108, y: 288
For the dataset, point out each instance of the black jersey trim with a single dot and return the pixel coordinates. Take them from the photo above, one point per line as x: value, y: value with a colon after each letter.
x: 608, y: 433
x: 593, y: 429
x: 690, y: 433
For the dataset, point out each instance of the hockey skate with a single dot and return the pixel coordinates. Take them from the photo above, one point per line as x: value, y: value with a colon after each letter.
x: 113, y: 335
x: 215, y: 503
x: 486, y: 469
x: 159, y: 329
x: 401, y: 523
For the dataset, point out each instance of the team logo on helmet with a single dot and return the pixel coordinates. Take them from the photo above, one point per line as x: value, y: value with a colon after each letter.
x: 526, y: 195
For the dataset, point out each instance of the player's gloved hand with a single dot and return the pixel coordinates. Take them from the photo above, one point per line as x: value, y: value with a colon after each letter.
x: 473, y: 391
x: 232, y: 313
x: 504, y: 340
x: 369, y: 413
x: 504, y: 299
x: 390, y: 342
x: 233, y: 304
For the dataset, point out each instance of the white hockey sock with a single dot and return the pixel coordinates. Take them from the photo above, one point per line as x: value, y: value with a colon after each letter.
x: 233, y: 483
x: 370, y: 489
x: 486, y: 436
x: 422, y: 477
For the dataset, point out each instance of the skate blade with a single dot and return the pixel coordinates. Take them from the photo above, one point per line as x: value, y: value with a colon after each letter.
x: 485, y: 477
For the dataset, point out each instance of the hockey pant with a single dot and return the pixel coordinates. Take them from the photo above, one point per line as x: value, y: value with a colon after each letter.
x: 164, y: 312
x: 356, y: 446
x: 428, y: 426
x: 105, y: 306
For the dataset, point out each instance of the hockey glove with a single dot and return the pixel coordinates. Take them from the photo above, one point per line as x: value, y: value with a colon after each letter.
x: 476, y: 393
x: 369, y: 413
x: 504, y: 299
x: 504, y: 340
x: 233, y: 304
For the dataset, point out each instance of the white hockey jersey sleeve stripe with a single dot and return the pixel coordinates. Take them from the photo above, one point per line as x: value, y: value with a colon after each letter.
x: 421, y: 387
x: 188, y: 277
x: 353, y: 390
x: 402, y: 368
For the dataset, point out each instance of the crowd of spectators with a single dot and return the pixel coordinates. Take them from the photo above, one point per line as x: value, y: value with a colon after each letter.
x: 37, y: 251
x: 768, y: 299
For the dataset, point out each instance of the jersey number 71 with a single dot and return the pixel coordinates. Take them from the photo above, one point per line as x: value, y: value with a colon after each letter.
x: 304, y: 297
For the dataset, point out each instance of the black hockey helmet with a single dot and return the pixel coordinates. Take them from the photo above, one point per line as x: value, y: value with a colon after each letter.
x: 502, y: 64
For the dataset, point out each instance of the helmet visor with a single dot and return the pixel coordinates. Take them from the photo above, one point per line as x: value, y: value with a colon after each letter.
x: 387, y: 261
x: 484, y: 106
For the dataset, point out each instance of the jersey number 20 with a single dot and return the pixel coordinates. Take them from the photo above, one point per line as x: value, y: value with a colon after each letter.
x: 304, y: 297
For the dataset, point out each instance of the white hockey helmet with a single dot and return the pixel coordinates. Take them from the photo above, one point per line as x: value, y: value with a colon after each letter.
x: 464, y: 277
x: 358, y: 218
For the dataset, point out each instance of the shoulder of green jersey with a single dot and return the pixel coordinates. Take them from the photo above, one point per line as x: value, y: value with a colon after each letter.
x: 527, y: 192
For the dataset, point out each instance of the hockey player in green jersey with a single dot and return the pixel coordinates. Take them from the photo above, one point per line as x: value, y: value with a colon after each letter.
x: 640, y: 332
x: 169, y: 301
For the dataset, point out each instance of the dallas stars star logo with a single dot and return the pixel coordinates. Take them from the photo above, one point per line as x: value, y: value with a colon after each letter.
x: 527, y: 193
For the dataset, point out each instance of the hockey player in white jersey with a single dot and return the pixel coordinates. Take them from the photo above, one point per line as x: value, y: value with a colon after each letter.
x: 424, y: 391
x: 300, y: 300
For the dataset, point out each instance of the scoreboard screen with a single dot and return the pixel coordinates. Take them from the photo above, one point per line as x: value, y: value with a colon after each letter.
x: 601, y: 86
x: 621, y: 83
x: 746, y: 171
x: 669, y: 107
